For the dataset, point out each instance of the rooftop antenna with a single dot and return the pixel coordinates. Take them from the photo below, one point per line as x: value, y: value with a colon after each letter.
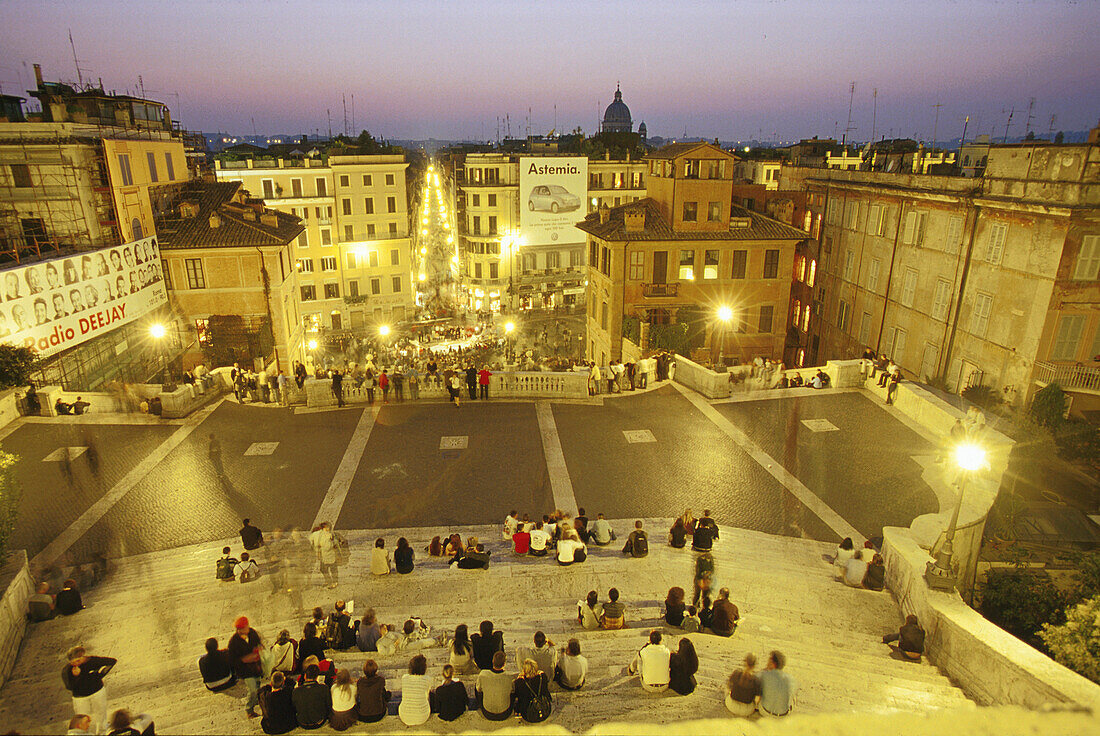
x: 253, y: 119
x: 848, y: 127
x: 1011, y: 112
x: 1030, y: 107
x: 328, y: 112
x: 79, y: 76
x: 556, y: 118
x: 935, y: 126
x: 1050, y: 132
x: 141, y: 84
x: 874, y: 111
x: 344, y: 97
x: 528, y: 122
x: 353, y: 112
x: 962, y: 141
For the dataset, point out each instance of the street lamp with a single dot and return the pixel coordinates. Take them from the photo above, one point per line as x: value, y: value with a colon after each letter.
x: 384, y: 330
x: 509, y: 328
x: 938, y: 574
x: 158, y: 331
x: 725, y: 315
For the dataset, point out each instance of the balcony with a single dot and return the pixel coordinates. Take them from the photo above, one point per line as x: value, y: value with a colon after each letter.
x: 1069, y: 377
x: 659, y: 290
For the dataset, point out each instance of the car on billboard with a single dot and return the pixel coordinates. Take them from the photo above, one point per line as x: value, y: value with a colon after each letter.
x: 552, y: 198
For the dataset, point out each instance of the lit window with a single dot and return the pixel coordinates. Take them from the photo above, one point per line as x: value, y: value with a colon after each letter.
x: 687, y: 265
x: 710, y: 264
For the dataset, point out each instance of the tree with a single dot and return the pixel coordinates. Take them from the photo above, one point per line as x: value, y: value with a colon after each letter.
x: 1048, y: 408
x: 1076, y: 643
x: 1021, y: 601
x: 16, y: 365
x: 10, y: 495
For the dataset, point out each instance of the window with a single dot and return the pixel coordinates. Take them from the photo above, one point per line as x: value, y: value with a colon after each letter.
x: 954, y: 235
x: 309, y: 292
x: 368, y: 180
x: 303, y: 240
x: 389, y: 180
x: 124, y: 170
x: 396, y: 284
x: 395, y: 257
x: 1088, y: 260
x: 865, y: 328
x: 832, y: 212
x: 349, y: 233
x: 876, y: 221
x: 492, y: 224
x: 376, y: 286
x: 346, y: 205
x: 796, y: 312
x: 476, y: 201
x: 603, y: 316
x: 494, y: 269
x: 843, y: 315
x: 169, y: 167
x: 353, y: 287
x: 268, y: 186
x: 352, y: 261
x: 21, y: 175
x: 344, y: 180
x: 391, y: 204
x: 849, y: 264
x: 806, y: 318
x: 151, y: 158
x: 576, y: 258
x: 872, y: 275
x: 995, y: 251
x: 553, y: 259
x: 196, y: 279
x: 296, y: 189
x: 393, y: 228
x: 766, y: 312
x: 326, y: 236
x: 370, y: 230
x: 895, y: 343
x: 851, y: 214
x: 908, y: 287
x: 771, y: 264
x: 492, y: 200
x: 812, y: 275
x: 929, y: 361
x: 714, y: 212
x: 332, y: 291
x: 328, y: 263
x: 477, y: 269
x: 1066, y: 340
x: 605, y: 261
x: 687, y: 265
x: 322, y: 186
x: 914, y: 228
x: 637, y: 265
x: 979, y: 314
x: 740, y: 260
x: 941, y: 300
x: 710, y: 264
x: 691, y: 211
x: 475, y: 225
x: 373, y: 259
x: 305, y: 265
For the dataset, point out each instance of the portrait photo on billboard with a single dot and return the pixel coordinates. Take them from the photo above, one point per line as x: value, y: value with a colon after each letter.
x: 56, y: 304
x: 552, y: 196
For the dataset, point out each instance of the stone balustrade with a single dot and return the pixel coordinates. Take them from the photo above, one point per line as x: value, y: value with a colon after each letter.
x: 502, y: 385
x: 18, y: 586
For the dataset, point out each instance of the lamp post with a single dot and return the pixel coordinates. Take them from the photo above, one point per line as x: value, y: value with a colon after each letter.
x: 509, y: 328
x: 383, y: 333
x: 938, y: 574
x: 157, y: 331
x: 725, y: 314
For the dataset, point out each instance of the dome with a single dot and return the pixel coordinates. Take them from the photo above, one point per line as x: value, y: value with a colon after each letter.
x: 616, y: 118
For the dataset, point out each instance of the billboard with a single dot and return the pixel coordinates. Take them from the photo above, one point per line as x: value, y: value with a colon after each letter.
x: 53, y: 305
x: 552, y: 193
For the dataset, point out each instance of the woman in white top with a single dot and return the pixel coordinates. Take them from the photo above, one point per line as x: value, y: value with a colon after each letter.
x: 844, y: 552
x: 344, y: 715
x: 415, y: 708
x: 571, y: 549
x: 380, y: 558
x: 284, y: 653
x: 589, y: 611
x: 461, y: 657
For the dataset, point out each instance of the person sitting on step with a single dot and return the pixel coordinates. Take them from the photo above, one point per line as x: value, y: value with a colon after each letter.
x: 485, y: 644
x: 723, y: 615
x: 910, y: 639
x: 614, y: 612
x: 215, y: 668
x: 651, y: 664
x: 777, y: 687
x: 312, y: 700
x: 637, y: 544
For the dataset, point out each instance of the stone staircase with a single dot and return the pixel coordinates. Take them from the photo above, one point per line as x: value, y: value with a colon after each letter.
x: 155, y: 611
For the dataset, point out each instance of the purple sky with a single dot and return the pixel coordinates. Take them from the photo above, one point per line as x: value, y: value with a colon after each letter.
x: 735, y: 70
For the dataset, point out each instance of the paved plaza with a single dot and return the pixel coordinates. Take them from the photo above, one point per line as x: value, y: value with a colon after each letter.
x: 818, y: 465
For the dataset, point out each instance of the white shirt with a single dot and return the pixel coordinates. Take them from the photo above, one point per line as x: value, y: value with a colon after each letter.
x: 510, y: 523
x: 248, y: 566
x: 653, y: 664
x: 573, y: 669
x: 567, y: 548
x: 414, y: 708
x: 343, y: 698
x: 539, y: 538
x: 601, y: 531
x: 854, y: 570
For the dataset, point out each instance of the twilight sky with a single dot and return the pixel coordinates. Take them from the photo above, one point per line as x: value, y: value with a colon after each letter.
x: 736, y: 70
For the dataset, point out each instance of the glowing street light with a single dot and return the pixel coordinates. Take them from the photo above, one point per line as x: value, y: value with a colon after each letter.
x: 725, y: 313
x: 384, y: 330
x: 938, y: 574
x: 509, y: 327
x: 312, y: 345
x: 422, y: 277
x: 158, y: 330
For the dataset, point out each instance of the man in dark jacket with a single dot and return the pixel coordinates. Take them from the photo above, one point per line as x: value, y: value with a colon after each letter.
x: 251, y: 536
x: 706, y: 531
x: 83, y: 677
x: 724, y: 615
x: 312, y: 700
x: 910, y: 638
x: 338, y: 387
x: 471, y: 381
x: 244, y: 655
x: 277, y: 705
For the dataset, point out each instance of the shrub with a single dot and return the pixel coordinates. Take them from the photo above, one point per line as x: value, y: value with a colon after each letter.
x: 10, y: 496
x: 1076, y: 643
x: 984, y: 396
x: 1078, y: 440
x: 1048, y: 407
x: 1020, y: 601
x: 16, y: 365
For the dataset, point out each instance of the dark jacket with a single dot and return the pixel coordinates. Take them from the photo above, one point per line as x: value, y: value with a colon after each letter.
x: 312, y: 703
x: 485, y: 647
x: 90, y: 679
x: 68, y: 601
x: 681, y: 673
x: 371, y: 697
x: 251, y: 537
x: 403, y: 560
x: 277, y: 707
x: 724, y: 617
x: 525, y: 690
x: 706, y: 531
x: 311, y: 645
x: 215, y: 668
x: 238, y: 649
x: 449, y: 700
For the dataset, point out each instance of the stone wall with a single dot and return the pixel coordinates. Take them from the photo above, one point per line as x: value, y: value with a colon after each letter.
x: 694, y: 376
x: 18, y: 585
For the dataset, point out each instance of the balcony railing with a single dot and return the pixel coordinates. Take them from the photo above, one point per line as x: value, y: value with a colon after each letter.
x: 672, y: 289
x: 1079, y: 377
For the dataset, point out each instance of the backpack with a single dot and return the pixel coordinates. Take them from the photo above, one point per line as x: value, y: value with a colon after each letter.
x: 332, y: 631
x: 224, y: 569
x: 641, y: 545
x: 343, y: 549
x: 538, y: 707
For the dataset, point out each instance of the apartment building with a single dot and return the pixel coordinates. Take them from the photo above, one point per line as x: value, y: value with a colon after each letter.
x: 499, y: 268
x: 354, y: 255
x: 989, y: 280
x: 682, y: 253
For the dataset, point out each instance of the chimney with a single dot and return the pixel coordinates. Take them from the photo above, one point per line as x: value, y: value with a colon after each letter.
x: 604, y: 213
x: 38, y: 75
x: 634, y: 220
x: 215, y: 221
x: 270, y: 219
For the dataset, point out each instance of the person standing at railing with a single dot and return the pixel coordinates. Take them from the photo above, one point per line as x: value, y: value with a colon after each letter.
x: 413, y: 377
x: 483, y: 377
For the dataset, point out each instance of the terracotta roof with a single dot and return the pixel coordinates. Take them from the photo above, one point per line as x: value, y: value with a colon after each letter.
x: 657, y: 227
x: 235, y: 226
x: 672, y: 150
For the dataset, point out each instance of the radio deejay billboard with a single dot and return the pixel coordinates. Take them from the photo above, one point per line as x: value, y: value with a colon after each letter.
x: 53, y: 305
x: 552, y: 193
